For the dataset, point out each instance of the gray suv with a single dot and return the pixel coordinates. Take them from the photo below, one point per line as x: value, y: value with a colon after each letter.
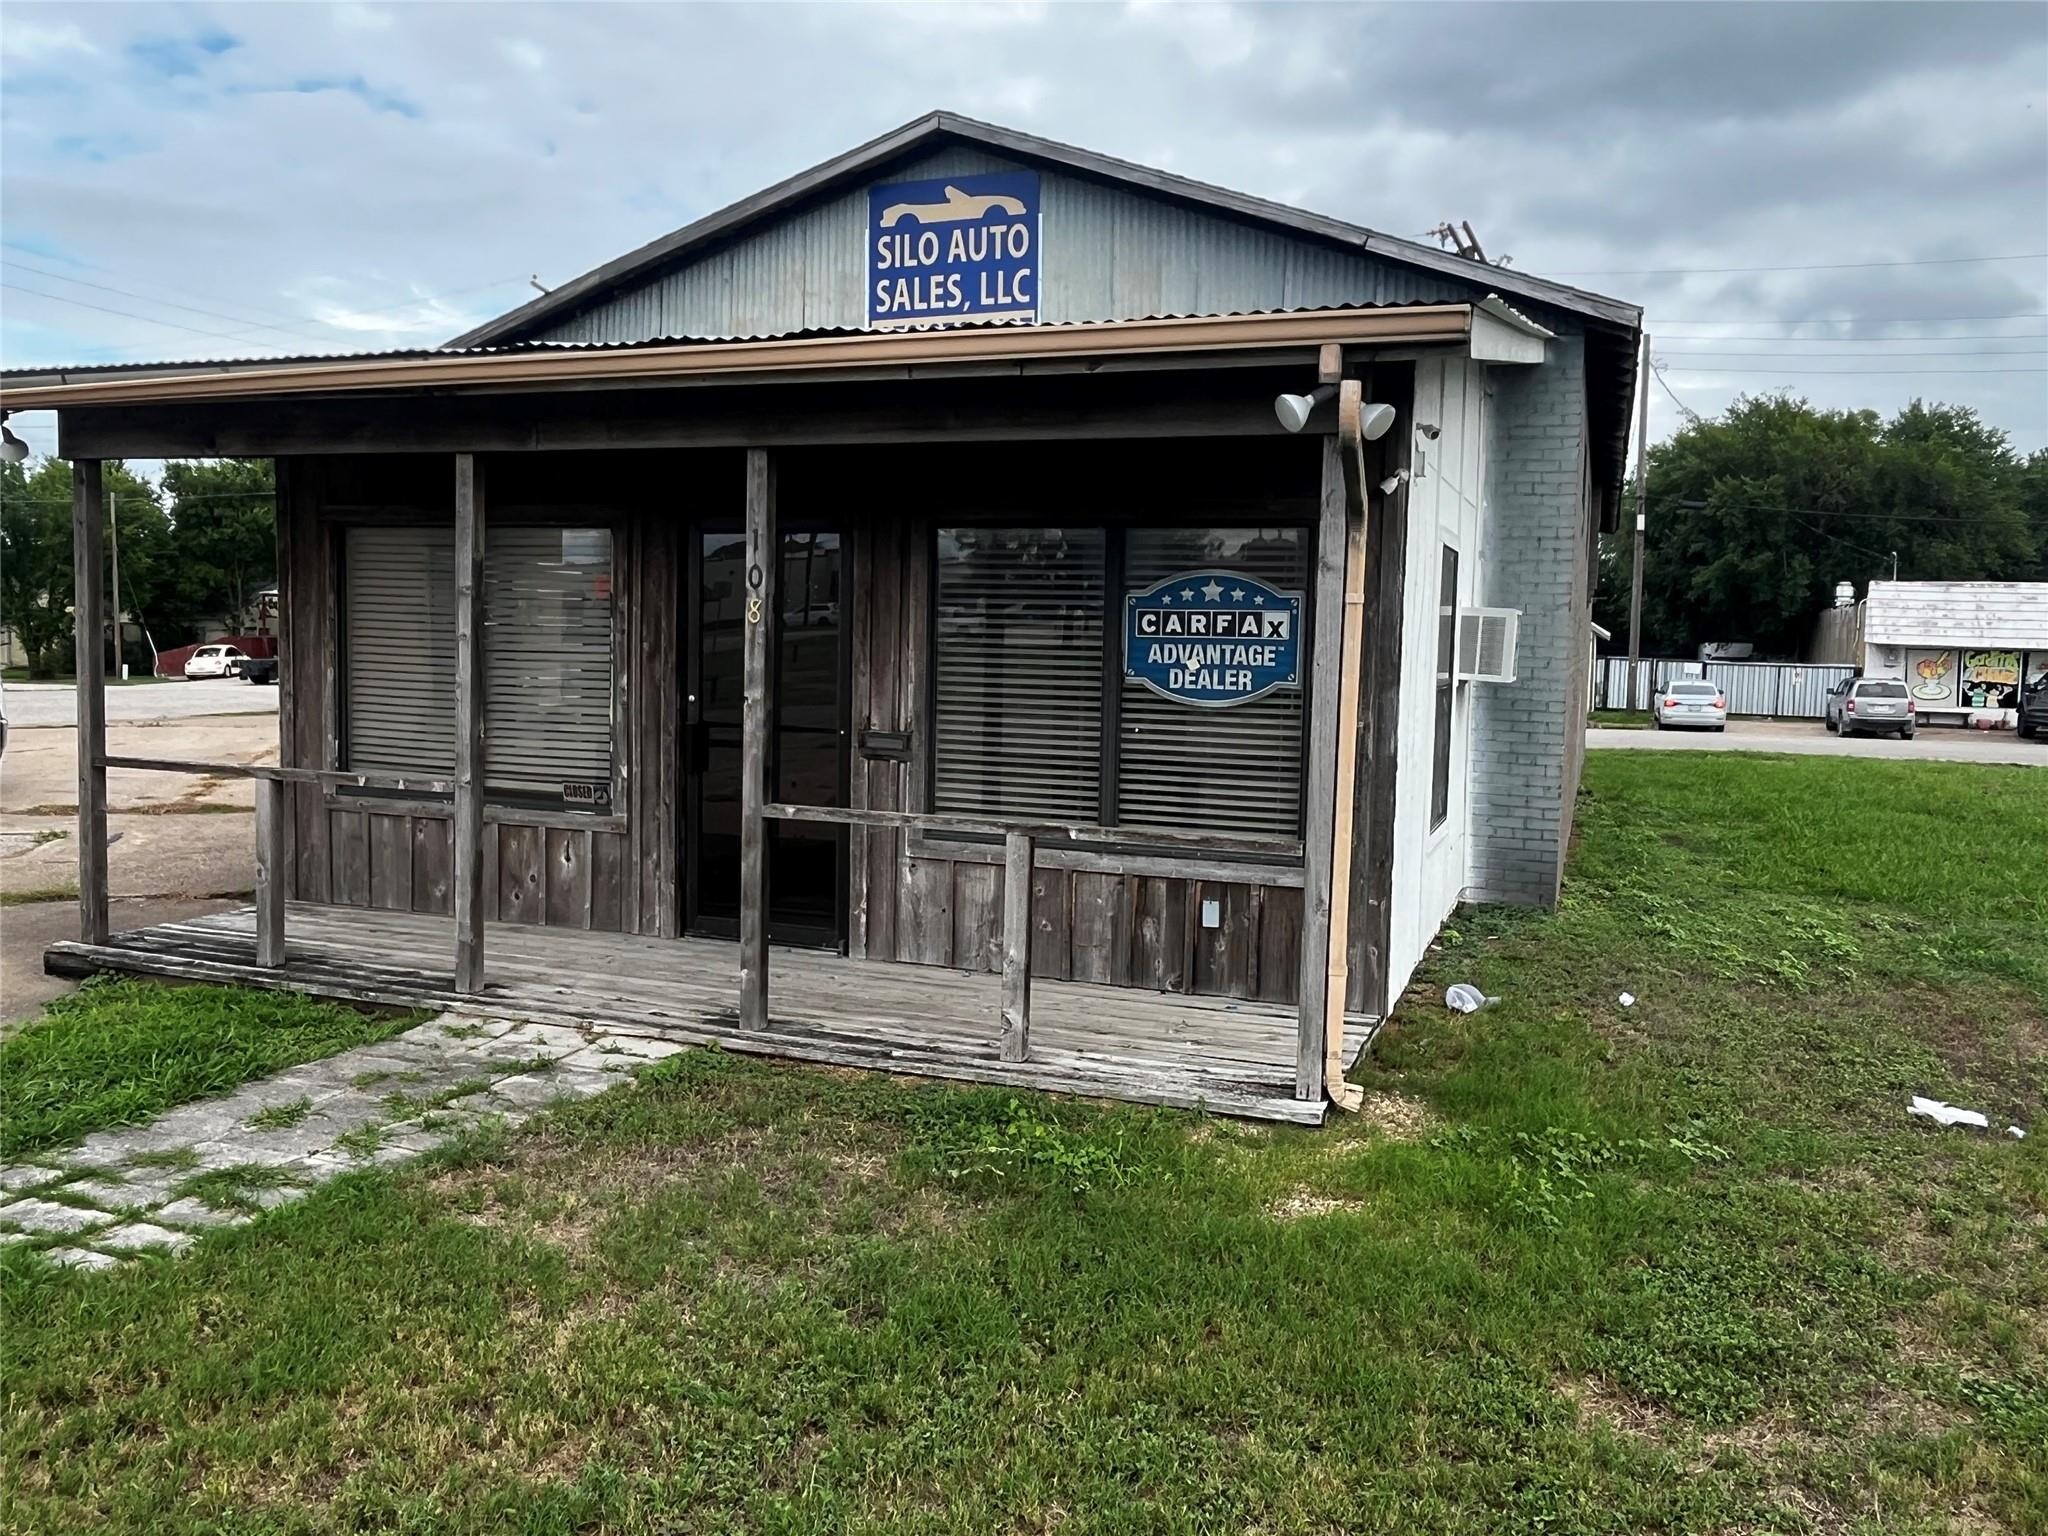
x: 1870, y: 705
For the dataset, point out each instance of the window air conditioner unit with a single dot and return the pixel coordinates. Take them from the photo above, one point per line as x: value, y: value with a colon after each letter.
x: 1486, y: 644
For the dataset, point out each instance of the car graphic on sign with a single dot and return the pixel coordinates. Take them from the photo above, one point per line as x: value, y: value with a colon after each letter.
x: 958, y: 208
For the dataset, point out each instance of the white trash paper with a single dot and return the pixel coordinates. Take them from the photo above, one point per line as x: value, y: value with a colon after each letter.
x: 1628, y: 999
x: 1463, y: 997
x: 1946, y: 1114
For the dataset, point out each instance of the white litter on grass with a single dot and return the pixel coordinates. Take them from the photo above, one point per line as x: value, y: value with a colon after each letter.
x: 2015, y: 1133
x: 1628, y: 999
x: 1463, y: 997
x: 1946, y: 1114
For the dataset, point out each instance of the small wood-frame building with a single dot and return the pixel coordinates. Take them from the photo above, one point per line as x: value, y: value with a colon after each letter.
x: 899, y: 620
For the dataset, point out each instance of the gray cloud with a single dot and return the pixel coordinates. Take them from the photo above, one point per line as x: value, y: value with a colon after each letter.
x: 360, y: 176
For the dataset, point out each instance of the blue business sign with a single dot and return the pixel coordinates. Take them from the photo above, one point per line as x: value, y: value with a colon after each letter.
x: 1213, y: 638
x: 958, y: 249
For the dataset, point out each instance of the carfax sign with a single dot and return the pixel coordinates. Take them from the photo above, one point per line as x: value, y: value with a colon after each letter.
x: 1213, y: 638
x: 959, y: 249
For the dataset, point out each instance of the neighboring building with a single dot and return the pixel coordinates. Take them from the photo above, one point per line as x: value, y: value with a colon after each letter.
x: 1011, y: 406
x: 1966, y: 649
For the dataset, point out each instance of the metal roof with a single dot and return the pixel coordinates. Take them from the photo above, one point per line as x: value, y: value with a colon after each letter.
x: 2002, y: 615
x: 57, y: 374
x: 938, y: 128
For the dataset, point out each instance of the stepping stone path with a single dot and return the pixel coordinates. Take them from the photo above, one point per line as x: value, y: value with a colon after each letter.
x: 157, y: 1188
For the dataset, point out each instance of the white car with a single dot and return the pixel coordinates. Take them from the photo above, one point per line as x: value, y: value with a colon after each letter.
x: 1684, y: 702
x: 214, y: 661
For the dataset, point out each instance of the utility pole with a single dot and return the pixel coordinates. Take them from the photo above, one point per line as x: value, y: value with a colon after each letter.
x: 1635, y: 591
x: 114, y: 547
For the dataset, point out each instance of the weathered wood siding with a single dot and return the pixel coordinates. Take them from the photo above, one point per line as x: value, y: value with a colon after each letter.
x: 1126, y: 921
x: 612, y: 872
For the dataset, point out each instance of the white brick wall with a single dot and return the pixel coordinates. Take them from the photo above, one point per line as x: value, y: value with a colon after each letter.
x: 1527, y: 736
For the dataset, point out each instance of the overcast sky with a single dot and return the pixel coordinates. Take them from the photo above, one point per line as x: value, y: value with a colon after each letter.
x: 290, y: 178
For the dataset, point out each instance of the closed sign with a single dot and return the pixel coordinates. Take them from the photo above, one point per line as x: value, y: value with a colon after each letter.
x: 1213, y: 638
x: 956, y: 249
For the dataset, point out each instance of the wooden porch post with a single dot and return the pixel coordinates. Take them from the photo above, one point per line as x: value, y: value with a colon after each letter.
x: 88, y: 611
x: 1018, y: 848
x: 270, y: 871
x: 756, y: 712
x: 468, y: 830
x: 1320, y: 805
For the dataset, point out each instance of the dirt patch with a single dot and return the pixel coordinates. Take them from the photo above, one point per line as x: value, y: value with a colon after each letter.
x: 1301, y: 1204
x: 1398, y: 1117
x: 1601, y: 1402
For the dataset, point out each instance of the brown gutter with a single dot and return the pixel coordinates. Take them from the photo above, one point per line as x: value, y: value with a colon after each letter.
x: 1409, y: 325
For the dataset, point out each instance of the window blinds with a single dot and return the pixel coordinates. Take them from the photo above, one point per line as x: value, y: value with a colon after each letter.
x: 1231, y: 770
x: 1017, y: 672
x: 547, y: 649
x: 548, y: 660
x: 398, y: 649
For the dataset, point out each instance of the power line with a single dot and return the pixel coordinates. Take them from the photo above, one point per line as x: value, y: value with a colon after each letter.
x: 22, y: 266
x: 1957, y: 519
x: 1869, y: 341
x: 1869, y: 357
x: 1860, y: 373
x: 129, y: 314
x: 455, y: 293
x: 1684, y: 410
x: 1836, y: 538
x: 1817, y: 266
x: 2030, y: 314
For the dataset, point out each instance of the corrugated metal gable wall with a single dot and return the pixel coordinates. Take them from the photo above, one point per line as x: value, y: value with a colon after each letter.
x: 1108, y: 254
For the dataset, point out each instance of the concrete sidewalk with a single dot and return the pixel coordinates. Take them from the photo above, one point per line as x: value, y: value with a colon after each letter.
x: 222, y: 1162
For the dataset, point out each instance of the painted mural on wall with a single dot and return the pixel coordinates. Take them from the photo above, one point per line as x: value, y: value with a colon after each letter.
x: 955, y: 250
x: 1991, y: 679
x: 1213, y: 638
x: 1932, y: 677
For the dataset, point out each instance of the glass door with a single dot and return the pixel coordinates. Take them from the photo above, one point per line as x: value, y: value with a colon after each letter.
x: 807, y: 762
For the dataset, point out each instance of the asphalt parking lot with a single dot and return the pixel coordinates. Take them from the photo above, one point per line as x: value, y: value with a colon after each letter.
x: 179, y: 844
x: 31, y: 704
x: 1810, y: 737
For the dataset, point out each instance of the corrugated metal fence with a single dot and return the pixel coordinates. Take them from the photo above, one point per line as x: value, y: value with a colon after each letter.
x: 1794, y: 690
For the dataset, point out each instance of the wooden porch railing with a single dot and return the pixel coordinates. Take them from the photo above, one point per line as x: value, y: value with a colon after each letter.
x: 1021, y: 840
x: 270, y: 851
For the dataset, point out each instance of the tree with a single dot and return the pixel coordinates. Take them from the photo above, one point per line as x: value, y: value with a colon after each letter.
x: 2034, y: 503
x: 225, y: 514
x: 1756, y: 514
x: 36, y: 586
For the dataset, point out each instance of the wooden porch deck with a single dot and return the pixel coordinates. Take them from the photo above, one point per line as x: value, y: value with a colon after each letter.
x: 1228, y: 1056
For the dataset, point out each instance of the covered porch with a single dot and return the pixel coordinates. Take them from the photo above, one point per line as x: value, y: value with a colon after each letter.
x: 1213, y: 935
x: 1227, y: 1056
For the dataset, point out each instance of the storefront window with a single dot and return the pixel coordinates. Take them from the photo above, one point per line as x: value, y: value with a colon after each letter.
x: 547, y: 653
x: 1036, y: 714
x: 1229, y: 769
x: 1017, y: 672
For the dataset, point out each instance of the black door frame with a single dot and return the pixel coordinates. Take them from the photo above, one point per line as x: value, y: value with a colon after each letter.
x: 693, y: 743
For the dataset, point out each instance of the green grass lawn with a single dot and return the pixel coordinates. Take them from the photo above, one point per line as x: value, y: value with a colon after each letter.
x: 118, y: 1052
x: 1578, y: 1268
